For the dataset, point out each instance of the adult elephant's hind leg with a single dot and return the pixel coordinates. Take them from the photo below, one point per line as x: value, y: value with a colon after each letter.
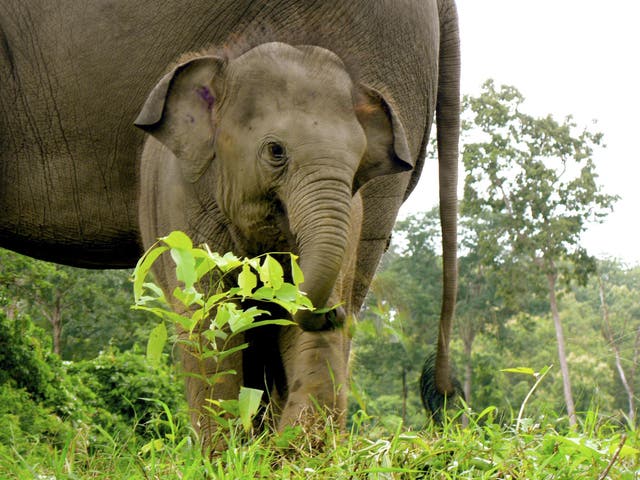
x: 316, y: 369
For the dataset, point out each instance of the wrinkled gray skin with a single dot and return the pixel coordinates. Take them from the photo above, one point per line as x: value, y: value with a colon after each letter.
x: 305, y: 133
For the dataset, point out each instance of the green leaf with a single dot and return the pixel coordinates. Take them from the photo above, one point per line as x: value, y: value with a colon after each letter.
x: 248, y: 326
x: 163, y: 313
x: 263, y: 293
x: 142, y: 269
x: 301, y: 302
x: 228, y: 262
x: 213, y: 301
x: 156, y: 290
x: 487, y: 411
x: 296, y: 272
x: 223, y: 314
x: 204, y: 263
x: 185, y: 266
x: 287, y: 291
x: 247, y: 281
x: 223, y: 354
x: 184, y: 321
x: 248, y: 405
x: 156, y: 343
x: 178, y: 240
x: 522, y: 370
x: 271, y: 272
x: 543, y: 371
x: 326, y: 309
x: 156, y: 445
x: 240, y: 320
x: 188, y: 296
x: 228, y: 406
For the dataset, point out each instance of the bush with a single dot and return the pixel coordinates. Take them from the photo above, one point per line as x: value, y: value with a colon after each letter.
x: 24, y: 359
x: 45, y: 401
x: 33, y: 396
x: 127, y: 386
x: 25, y: 422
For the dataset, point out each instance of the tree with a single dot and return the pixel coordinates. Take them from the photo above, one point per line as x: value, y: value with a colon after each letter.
x: 40, y: 285
x: 620, y: 314
x: 84, y: 310
x: 531, y: 183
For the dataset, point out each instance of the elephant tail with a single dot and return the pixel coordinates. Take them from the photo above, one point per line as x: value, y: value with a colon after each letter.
x: 433, y: 400
x: 448, y: 128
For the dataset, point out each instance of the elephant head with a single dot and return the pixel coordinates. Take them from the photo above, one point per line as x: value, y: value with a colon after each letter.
x: 284, y: 137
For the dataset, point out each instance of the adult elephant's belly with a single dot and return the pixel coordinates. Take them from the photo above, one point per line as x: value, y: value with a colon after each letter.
x: 77, y: 209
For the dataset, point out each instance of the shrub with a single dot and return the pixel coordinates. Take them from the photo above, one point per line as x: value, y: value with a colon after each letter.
x: 125, y: 385
x: 33, y: 397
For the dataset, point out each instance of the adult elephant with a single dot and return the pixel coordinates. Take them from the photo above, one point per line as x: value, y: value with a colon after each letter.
x: 305, y: 129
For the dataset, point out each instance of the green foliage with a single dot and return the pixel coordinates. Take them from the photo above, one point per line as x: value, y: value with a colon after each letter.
x: 121, y: 386
x: 385, y: 384
x: 207, y: 305
x: 25, y: 357
x: 483, y: 450
x: 538, y: 377
x: 44, y: 401
x: 531, y: 188
x: 36, y: 393
x: 193, y: 265
x: 121, y: 414
x: 26, y: 423
x: 90, y: 308
x: 530, y: 182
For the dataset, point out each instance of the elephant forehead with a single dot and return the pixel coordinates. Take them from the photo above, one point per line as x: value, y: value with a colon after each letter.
x: 281, y: 82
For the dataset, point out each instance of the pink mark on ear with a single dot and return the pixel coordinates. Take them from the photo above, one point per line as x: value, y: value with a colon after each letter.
x: 206, y: 95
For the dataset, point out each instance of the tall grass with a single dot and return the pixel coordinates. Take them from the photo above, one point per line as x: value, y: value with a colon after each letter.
x: 522, y: 448
x: 536, y: 449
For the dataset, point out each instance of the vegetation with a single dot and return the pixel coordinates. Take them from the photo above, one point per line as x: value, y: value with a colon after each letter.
x: 530, y: 192
x: 101, y: 405
x: 119, y: 416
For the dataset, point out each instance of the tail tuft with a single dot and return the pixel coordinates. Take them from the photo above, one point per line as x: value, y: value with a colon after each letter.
x: 433, y: 400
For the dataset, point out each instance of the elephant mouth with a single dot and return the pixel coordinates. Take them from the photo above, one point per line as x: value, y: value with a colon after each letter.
x: 270, y: 234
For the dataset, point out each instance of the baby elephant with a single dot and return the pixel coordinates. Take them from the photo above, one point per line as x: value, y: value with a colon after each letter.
x: 266, y: 152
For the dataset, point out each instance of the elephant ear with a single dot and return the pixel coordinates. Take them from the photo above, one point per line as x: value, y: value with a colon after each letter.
x: 387, y: 148
x: 179, y: 112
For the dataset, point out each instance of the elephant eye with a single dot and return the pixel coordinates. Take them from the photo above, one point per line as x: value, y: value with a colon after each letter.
x: 276, y: 152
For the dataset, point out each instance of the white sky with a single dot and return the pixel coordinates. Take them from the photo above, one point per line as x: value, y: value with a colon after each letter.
x: 578, y: 57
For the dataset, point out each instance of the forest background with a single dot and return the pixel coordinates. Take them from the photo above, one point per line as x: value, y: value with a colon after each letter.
x: 72, y: 352
x: 522, y: 195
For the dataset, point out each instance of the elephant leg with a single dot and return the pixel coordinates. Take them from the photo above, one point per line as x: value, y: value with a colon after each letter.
x: 316, y: 369
x: 199, y: 388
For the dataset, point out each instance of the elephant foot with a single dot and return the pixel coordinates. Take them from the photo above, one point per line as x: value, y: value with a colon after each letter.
x: 315, y: 394
x: 317, y: 421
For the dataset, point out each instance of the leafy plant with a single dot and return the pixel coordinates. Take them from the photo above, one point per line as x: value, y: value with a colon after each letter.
x: 207, y: 304
x: 125, y: 387
x: 538, y: 376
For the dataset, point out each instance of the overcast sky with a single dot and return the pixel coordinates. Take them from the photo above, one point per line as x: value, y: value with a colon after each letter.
x: 578, y: 57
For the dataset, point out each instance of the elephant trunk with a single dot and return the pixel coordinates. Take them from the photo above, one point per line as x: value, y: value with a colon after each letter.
x: 319, y: 220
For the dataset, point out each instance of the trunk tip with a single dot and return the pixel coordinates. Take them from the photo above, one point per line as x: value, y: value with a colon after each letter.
x: 316, y: 322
